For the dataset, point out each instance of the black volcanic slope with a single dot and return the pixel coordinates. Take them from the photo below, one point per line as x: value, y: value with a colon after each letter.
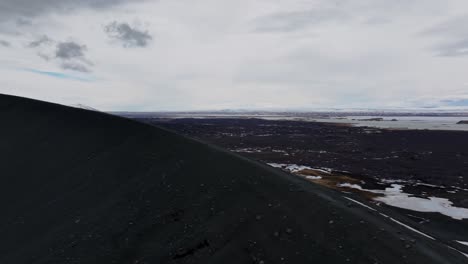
x: 84, y: 187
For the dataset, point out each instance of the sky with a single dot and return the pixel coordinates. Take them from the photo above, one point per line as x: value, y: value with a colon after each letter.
x: 155, y: 55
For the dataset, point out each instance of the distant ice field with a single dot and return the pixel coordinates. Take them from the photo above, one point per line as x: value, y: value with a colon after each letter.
x: 407, y: 120
x: 403, y: 122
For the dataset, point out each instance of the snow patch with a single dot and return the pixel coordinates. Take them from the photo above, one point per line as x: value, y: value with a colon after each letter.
x: 296, y: 168
x: 462, y: 242
x: 394, y: 196
x: 410, y: 228
x: 429, y: 185
x: 82, y: 106
x: 247, y: 150
x: 361, y: 204
x: 392, y: 219
x: 464, y: 254
x: 349, y: 185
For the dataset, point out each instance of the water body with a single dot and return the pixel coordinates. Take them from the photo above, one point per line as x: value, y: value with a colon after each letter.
x: 403, y: 122
x: 407, y: 120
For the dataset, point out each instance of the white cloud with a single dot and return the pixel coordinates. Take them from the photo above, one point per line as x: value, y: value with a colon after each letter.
x: 213, y: 54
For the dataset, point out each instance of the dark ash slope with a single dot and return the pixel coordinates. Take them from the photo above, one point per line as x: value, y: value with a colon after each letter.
x: 84, y: 187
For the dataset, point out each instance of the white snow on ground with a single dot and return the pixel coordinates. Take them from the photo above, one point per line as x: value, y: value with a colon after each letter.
x: 458, y: 188
x: 410, y: 228
x: 349, y: 185
x: 407, y: 226
x: 394, y: 196
x: 247, y: 150
x: 462, y: 242
x: 361, y: 204
x: 277, y: 165
x: 296, y: 168
x: 429, y: 185
x: 279, y: 151
x: 82, y: 106
x: 463, y: 253
x: 416, y: 183
x: 394, y: 220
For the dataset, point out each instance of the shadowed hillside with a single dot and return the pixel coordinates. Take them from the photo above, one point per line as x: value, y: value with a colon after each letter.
x: 78, y: 186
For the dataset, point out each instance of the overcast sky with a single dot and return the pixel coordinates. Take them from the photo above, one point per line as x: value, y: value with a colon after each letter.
x: 237, y: 54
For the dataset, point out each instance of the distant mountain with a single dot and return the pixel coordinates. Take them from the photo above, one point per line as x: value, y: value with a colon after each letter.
x: 82, y: 106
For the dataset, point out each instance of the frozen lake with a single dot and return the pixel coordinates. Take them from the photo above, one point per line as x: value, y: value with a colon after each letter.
x: 403, y: 122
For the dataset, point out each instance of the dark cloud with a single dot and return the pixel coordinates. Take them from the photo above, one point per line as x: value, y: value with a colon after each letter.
x: 12, y: 9
x: 452, y: 27
x: 44, y: 56
x: 72, y: 56
x: 69, y: 55
x: 4, y: 43
x: 128, y: 36
x: 23, y: 22
x: 457, y: 48
x: 452, y: 36
x: 42, y: 40
x: 70, y: 50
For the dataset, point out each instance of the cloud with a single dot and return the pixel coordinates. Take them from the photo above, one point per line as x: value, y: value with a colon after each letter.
x: 26, y: 8
x: 300, y: 15
x: 69, y: 54
x: 44, y: 56
x: 23, y: 22
x: 72, y: 56
x: 455, y: 102
x: 297, y: 20
x: 5, y: 43
x: 42, y: 40
x: 70, y: 50
x: 458, y: 48
x: 451, y: 35
x: 128, y: 36
x: 218, y: 54
x: 74, y: 66
x: 451, y: 27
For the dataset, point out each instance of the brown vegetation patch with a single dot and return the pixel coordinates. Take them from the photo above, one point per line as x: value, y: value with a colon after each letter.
x: 332, y: 180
